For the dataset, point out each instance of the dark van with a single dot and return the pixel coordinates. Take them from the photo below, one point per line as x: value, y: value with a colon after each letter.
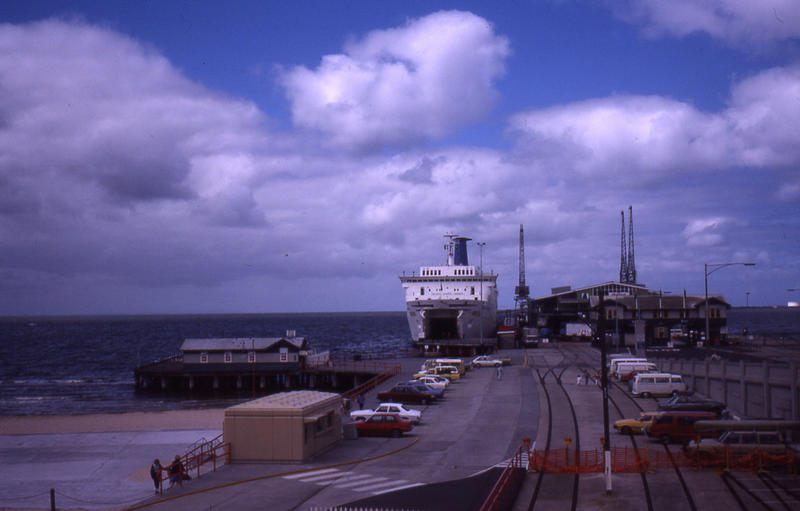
x: 679, y: 427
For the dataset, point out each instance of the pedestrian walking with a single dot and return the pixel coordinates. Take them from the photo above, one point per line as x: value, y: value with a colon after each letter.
x: 361, y: 401
x: 499, y: 372
x: 155, y: 474
x: 176, y: 472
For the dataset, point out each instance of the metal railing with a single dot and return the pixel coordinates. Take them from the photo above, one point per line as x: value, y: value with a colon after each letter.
x: 515, y: 469
x: 214, y: 452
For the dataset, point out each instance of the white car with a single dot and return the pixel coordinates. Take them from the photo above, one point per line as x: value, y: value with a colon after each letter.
x: 486, y: 361
x: 415, y: 416
x: 434, y: 381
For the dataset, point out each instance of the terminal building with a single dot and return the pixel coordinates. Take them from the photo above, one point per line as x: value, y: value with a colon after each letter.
x: 634, y: 316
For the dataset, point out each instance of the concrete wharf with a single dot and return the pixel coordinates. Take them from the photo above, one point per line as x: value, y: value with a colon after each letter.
x: 451, y: 461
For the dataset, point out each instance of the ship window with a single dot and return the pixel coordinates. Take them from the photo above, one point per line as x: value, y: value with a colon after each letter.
x: 421, y: 291
x: 251, y: 356
x: 228, y: 357
x: 204, y: 357
x: 472, y: 290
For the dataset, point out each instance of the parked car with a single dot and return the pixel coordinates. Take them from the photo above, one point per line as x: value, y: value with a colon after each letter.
x: 689, y: 402
x: 740, y: 442
x: 449, y: 372
x: 422, y: 387
x: 415, y: 416
x: 486, y: 361
x: 433, y: 381
x: 384, y: 424
x: 407, y: 394
x: 678, y: 426
x: 635, y: 426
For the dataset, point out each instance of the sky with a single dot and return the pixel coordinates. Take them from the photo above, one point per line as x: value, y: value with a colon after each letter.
x: 165, y: 157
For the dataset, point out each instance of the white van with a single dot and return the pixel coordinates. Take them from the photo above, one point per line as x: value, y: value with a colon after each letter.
x: 612, y: 366
x: 657, y: 384
x: 626, y: 370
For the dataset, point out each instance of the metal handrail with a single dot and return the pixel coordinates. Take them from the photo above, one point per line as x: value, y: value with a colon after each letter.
x: 504, y: 481
x: 195, y: 458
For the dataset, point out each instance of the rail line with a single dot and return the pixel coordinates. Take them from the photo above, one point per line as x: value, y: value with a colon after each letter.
x: 555, y: 490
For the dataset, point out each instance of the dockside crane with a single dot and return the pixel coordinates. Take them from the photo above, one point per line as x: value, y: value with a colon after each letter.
x: 627, y: 262
x: 521, y: 291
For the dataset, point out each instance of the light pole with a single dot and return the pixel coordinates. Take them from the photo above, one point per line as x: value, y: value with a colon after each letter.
x: 714, y: 267
x: 480, y: 316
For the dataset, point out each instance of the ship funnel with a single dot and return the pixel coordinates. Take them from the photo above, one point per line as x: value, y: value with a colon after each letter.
x: 460, y: 256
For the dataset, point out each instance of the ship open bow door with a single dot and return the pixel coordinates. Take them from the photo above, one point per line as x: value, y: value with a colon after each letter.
x: 441, y: 324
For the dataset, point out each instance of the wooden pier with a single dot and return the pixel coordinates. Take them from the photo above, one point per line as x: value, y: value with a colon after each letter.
x: 172, y: 375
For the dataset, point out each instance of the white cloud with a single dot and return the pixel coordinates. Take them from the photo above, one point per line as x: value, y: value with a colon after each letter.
x: 705, y: 232
x: 648, y: 137
x: 740, y: 22
x: 397, y: 86
x: 623, y: 134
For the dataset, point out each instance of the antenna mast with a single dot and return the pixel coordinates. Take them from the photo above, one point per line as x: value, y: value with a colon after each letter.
x: 631, y: 261
x: 521, y: 291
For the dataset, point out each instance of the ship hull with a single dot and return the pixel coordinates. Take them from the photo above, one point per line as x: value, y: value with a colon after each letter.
x: 448, y: 321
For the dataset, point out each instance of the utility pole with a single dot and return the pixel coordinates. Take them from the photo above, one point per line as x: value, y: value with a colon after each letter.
x: 481, y: 244
x: 601, y: 334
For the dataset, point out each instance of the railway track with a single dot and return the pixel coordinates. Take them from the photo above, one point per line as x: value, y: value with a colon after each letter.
x: 550, y: 379
x: 678, y: 487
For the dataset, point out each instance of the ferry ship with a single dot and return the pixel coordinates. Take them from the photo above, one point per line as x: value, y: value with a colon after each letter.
x: 454, y: 304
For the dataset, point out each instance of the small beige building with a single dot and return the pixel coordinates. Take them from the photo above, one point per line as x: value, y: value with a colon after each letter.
x: 290, y: 426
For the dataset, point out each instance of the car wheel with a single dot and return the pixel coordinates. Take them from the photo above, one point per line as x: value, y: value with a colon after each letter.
x: 626, y: 430
x: 396, y: 433
x: 664, y: 439
x: 424, y: 402
x: 645, y: 394
x: 675, y: 393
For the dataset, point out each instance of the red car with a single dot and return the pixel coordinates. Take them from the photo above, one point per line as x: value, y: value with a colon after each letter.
x: 389, y: 424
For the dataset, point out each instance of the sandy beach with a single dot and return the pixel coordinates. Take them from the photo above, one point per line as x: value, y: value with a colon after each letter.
x: 102, y: 423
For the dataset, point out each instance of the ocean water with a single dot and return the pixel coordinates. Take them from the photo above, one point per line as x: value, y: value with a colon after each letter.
x: 81, y: 365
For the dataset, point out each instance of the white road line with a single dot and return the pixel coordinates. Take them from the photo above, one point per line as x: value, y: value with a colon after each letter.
x: 397, y: 489
x: 314, y: 472
x: 353, y: 477
x: 379, y: 485
x: 323, y: 477
x: 371, y: 480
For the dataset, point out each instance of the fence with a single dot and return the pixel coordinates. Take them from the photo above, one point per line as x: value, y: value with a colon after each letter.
x: 765, y: 389
x: 630, y: 460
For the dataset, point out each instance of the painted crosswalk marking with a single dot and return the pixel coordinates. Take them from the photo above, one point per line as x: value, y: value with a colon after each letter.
x: 315, y: 472
x: 367, y: 480
x: 352, y: 481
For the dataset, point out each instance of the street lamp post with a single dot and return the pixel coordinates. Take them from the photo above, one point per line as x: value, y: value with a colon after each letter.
x: 480, y: 316
x: 714, y: 267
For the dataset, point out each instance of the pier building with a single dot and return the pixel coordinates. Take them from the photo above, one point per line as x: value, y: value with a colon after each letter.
x: 254, y: 366
x: 634, y: 316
